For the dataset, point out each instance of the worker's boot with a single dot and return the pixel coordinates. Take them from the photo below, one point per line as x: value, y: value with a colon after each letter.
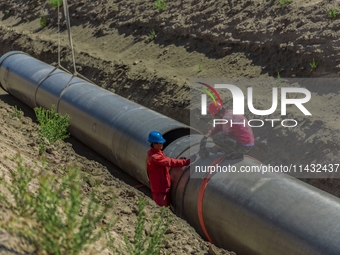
x: 216, y: 149
x: 232, y: 156
x: 235, y: 156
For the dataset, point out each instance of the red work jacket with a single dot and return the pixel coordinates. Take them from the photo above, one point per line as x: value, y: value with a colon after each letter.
x: 237, y: 127
x: 157, y: 165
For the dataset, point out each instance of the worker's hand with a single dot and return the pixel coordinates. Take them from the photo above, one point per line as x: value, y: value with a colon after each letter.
x: 204, y: 153
x: 193, y: 158
x: 203, y: 142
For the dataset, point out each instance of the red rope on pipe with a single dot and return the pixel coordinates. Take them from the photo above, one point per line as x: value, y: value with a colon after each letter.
x: 201, y: 195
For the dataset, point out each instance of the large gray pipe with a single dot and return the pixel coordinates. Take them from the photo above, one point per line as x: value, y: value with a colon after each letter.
x: 269, y: 216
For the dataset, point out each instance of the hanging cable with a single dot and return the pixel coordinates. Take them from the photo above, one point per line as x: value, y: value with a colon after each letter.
x: 59, y: 65
x: 59, y: 50
x: 68, y: 25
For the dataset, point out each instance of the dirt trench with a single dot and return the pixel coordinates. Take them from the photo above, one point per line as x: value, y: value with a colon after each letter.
x: 229, y: 39
x: 164, y: 95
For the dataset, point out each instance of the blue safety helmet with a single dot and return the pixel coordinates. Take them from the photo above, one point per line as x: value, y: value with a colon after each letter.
x: 156, y: 137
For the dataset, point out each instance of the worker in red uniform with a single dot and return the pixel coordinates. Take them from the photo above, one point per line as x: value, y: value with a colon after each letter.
x: 235, y: 137
x: 158, y: 169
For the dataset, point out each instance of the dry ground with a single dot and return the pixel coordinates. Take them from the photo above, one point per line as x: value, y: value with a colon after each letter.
x: 234, y: 38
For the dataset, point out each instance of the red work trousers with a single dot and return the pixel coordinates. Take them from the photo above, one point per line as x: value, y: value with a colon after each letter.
x: 161, y: 198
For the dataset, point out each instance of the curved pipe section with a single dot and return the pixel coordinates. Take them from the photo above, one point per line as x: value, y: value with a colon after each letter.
x: 110, y: 124
x: 275, y: 215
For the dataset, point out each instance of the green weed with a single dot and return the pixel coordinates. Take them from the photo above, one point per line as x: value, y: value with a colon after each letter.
x: 52, y: 209
x: 18, y: 113
x: 56, y: 3
x: 279, y: 77
x: 152, y: 35
x: 152, y: 243
x: 332, y: 13
x: 8, y: 11
x: 22, y: 205
x: 43, y: 21
x: 200, y: 69
x: 283, y: 3
x: 53, y: 126
x: 313, y: 64
x: 110, y: 240
x: 160, y: 5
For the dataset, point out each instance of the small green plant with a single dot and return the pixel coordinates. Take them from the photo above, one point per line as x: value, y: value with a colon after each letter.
x: 200, y: 69
x: 52, y: 209
x: 332, y: 13
x: 313, y: 64
x: 160, y: 5
x: 8, y: 11
x: 153, y: 242
x: 279, y: 77
x: 22, y: 205
x: 152, y: 35
x: 18, y: 113
x: 43, y: 21
x: 110, y: 241
x: 283, y: 3
x: 53, y: 126
x: 56, y: 3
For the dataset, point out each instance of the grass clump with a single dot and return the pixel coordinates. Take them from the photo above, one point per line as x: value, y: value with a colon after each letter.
x: 152, y: 35
x: 56, y: 3
x: 53, y: 126
x: 43, y: 21
x: 160, y: 5
x: 200, y: 69
x: 22, y: 204
x: 332, y: 13
x: 153, y: 242
x: 279, y: 77
x: 52, y: 210
x: 18, y: 113
x: 313, y: 64
x: 283, y: 3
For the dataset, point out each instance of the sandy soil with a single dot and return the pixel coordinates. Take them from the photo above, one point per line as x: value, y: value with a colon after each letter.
x: 235, y: 38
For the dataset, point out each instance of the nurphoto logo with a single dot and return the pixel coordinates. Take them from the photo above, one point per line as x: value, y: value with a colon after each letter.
x: 238, y: 104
